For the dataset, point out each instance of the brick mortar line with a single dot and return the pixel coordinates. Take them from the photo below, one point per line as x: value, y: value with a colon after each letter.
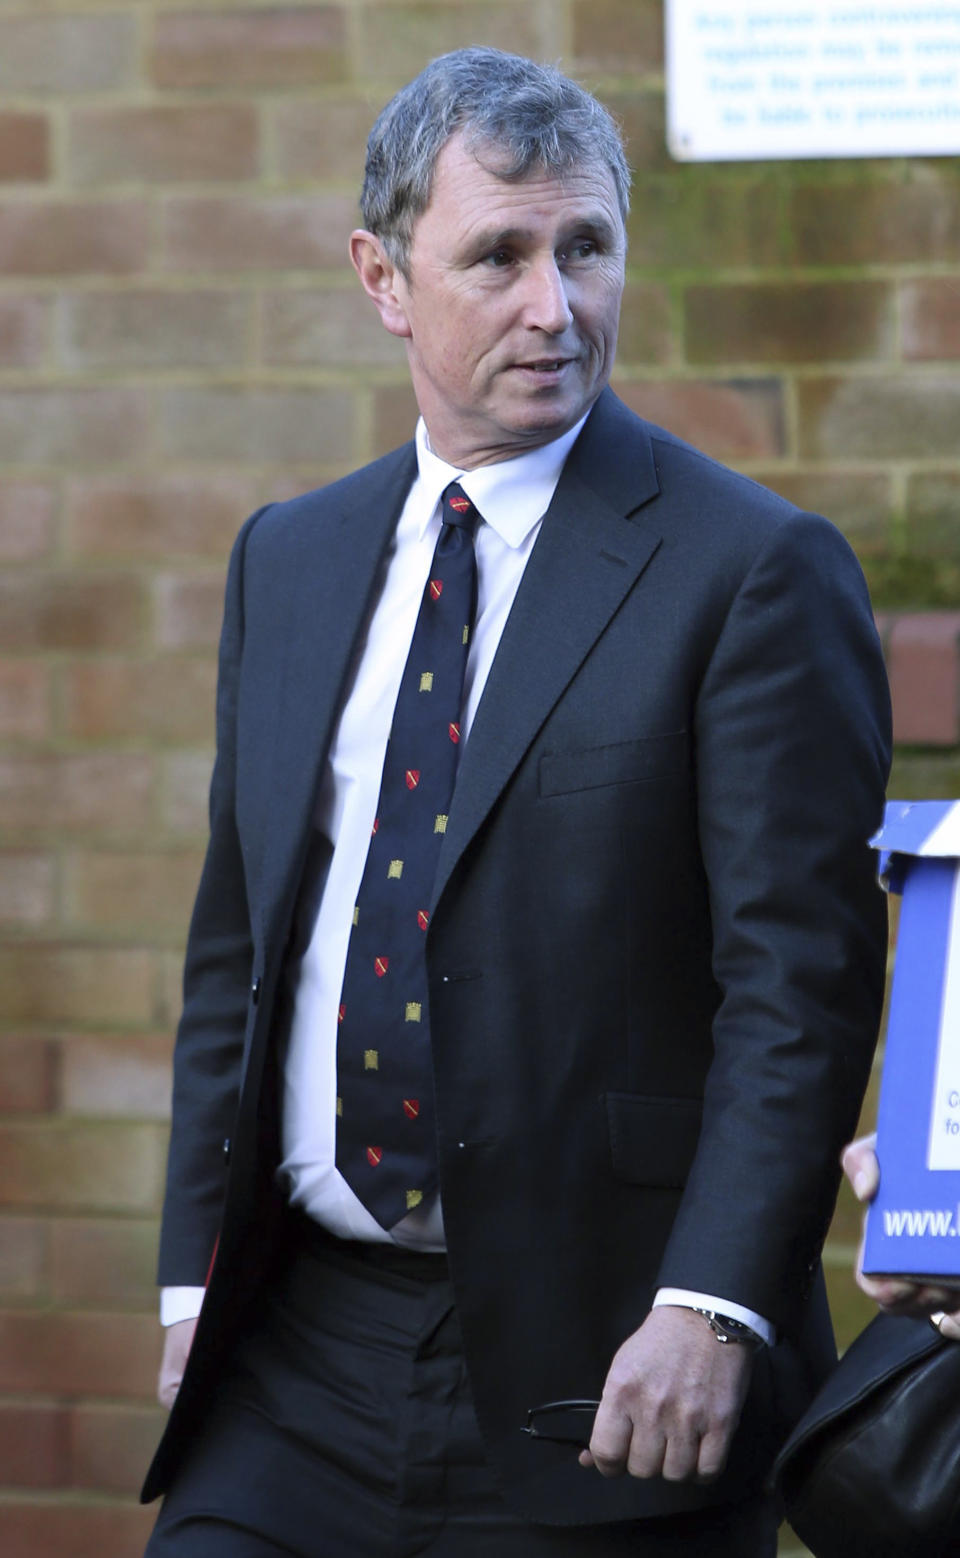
x: 22, y: 1214
x: 60, y: 1122
x: 861, y: 369
x: 935, y: 465
x: 148, y: 938
x: 899, y: 522
x: 259, y: 379
x: 791, y: 418
x: 144, y: 189
x: 43, y: 838
x: 44, y: 1400
x: 144, y: 92
x: 53, y: 289
x: 82, y: 8
x: 70, y: 1497
x: 784, y: 275
x: 676, y: 325
x: 239, y: 375
x: 897, y: 312
x: 24, y: 287
x: 161, y: 195
x: 13, y: 474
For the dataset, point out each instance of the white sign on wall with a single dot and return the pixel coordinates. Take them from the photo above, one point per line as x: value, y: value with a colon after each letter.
x: 841, y: 78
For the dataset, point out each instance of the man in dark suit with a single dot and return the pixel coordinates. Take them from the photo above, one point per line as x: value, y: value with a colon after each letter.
x: 636, y: 1026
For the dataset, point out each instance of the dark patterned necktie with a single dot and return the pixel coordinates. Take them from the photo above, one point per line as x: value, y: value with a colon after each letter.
x: 386, y: 1146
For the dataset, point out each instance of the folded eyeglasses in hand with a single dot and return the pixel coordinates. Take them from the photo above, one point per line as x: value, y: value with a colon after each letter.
x: 562, y: 1422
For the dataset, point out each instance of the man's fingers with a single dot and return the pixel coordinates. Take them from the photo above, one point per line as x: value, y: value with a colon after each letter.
x: 681, y: 1453
x: 714, y: 1448
x: 610, y: 1442
x: 898, y: 1297
x: 893, y: 1294
x: 167, y: 1390
x: 889, y: 1292
x: 177, y: 1341
x: 641, y: 1453
x: 671, y: 1401
x: 699, y: 1454
x: 860, y: 1165
x: 680, y: 1458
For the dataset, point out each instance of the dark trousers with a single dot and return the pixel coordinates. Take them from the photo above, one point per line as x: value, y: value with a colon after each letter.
x: 346, y: 1430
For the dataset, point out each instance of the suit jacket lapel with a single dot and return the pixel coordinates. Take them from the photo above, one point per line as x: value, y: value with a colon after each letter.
x: 329, y: 578
x: 589, y: 555
x: 587, y: 558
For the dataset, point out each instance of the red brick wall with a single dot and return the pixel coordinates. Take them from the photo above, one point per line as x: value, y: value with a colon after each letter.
x: 180, y: 338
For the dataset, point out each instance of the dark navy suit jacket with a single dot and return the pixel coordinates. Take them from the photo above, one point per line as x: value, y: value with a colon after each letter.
x: 656, y: 945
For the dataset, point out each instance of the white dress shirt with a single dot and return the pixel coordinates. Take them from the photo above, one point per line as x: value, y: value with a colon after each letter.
x: 512, y: 497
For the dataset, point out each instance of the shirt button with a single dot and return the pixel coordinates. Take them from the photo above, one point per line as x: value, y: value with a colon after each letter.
x: 226, y: 1150
x: 255, y: 990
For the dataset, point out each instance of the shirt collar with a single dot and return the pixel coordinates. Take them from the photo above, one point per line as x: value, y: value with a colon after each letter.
x: 512, y: 495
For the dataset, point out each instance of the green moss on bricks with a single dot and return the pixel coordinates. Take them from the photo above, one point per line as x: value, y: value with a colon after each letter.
x: 919, y: 775
x: 912, y: 582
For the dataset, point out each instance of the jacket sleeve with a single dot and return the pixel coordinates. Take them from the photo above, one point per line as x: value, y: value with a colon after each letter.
x: 792, y: 754
x: 216, y: 989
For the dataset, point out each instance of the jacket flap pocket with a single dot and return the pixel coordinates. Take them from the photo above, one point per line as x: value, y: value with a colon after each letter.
x: 622, y: 762
x: 653, y: 1140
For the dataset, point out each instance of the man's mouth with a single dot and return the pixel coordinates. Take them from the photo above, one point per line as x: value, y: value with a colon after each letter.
x: 545, y: 364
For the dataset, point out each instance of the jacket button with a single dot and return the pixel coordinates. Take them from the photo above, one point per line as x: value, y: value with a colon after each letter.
x: 255, y: 990
x: 226, y: 1150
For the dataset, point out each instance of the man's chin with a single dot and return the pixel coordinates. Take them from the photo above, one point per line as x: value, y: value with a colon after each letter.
x: 565, y: 399
x: 510, y: 431
x: 546, y: 417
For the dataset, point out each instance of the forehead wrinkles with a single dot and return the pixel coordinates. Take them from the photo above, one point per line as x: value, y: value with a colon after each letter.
x: 469, y: 198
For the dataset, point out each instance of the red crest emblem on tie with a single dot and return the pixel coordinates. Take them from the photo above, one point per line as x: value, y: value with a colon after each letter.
x: 411, y: 1108
x: 376, y: 824
x: 374, y: 1154
x: 459, y: 505
x: 454, y: 732
x: 423, y: 919
x: 412, y: 777
x: 341, y: 1014
x: 436, y: 589
x: 380, y: 966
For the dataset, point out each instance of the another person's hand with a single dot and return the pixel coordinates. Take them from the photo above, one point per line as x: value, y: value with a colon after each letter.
x: 894, y: 1294
x: 178, y: 1339
x: 671, y: 1401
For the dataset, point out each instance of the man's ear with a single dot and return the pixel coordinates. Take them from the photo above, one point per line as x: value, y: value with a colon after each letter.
x: 380, y: 279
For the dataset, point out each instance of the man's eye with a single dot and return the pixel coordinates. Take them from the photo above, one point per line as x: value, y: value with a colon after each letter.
x: 499, y: 258
x: 584, y: 250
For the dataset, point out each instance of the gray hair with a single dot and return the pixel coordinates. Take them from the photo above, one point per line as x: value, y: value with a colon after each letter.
x: 530, y: 115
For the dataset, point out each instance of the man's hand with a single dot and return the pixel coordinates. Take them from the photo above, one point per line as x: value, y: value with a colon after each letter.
x: 894, y: 1294
x: 671, y: 1401
x: 176, y: 1349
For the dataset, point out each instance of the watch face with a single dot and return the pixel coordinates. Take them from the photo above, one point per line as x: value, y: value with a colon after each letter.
x: 726, y: 1329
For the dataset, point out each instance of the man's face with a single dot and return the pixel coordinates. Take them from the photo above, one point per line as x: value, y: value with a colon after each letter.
x: 511, y: 304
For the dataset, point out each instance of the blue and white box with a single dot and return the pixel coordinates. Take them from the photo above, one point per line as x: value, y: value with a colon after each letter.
x: 913, y: 1226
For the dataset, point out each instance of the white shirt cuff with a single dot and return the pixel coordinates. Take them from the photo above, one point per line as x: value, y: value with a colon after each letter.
x: 723, y: 1306
x: 180, y: 1304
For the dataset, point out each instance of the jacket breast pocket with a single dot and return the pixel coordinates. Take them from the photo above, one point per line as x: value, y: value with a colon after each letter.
x: 653, y: 1141
x: 622, y: 762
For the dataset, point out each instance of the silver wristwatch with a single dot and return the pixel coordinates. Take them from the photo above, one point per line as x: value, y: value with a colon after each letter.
x: 726, y: 1329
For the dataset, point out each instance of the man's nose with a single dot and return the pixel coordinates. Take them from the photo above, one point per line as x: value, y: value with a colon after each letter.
x: 547, y: 304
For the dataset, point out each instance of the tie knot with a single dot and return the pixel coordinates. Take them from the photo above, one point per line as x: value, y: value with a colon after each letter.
x: 458, y: 510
